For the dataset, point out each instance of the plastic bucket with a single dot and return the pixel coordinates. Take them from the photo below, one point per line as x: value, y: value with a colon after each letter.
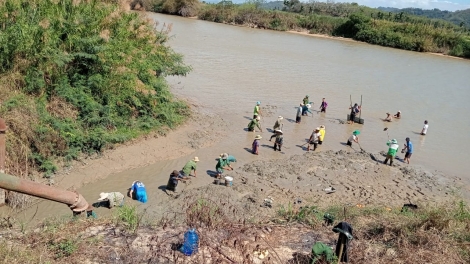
x: 228, y: 181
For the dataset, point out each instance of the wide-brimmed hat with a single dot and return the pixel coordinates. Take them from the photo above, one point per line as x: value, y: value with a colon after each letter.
x: 258, y: 117
x: 258, y: 103
x: 394, y: 141
x: 399, y: 111
x: 306, y: 95
x: 280, y: 117
x: 278, y: 131
x: 322, y: 126
x: 196, y: 159
x: 356, y: 132
x: 308, y: 105
x: 103, y: 196
x: 388, y: 113
x: 302, y: 104
x: 258, y: 137
x: 224, y: 155
x: 317, y: 129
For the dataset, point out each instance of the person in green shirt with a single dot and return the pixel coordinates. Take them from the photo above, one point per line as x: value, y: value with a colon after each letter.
x: 254, y: 123
x: 257, y: 111
x: 190, y: 166
x: 306, y: 100
x: 392, y: 151
x: 222, y: 165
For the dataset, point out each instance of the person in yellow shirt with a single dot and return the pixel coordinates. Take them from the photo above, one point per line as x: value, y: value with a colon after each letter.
x: 322, y: 134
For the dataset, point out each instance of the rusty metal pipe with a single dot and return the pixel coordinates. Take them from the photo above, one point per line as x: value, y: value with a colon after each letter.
x: 74, y: 200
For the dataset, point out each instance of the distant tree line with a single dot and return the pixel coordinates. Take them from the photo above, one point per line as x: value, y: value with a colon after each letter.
x: 392, y: 29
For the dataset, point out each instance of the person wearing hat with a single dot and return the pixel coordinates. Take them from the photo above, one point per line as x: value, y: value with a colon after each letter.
x: 279, y: 139
x: 257, y: 110
x: 354, y: 111
x: 408, y: 147
x: 314, y: 138
x: 305, y: 100
x: 190, y: 166
x: 323, y: 105
x: 175, y: 176
x: 277, y: 126
x: 322, y: 134
x: 398, y: 114
x: 298, y: 117
x: 138, y: 192
x: 388, y: 118
x: 392, y: 151
x: 112, y: 198
x: 222, y: 164
x: 306, y: 109
x: 255, y: 145
x: 254, y: 123
x: 354, y: 138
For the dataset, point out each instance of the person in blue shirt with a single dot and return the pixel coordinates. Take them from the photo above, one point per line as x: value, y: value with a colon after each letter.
x: 408, y: 147
x: 138, y: 192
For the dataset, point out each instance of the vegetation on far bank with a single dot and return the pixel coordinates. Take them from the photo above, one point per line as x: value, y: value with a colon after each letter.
x: 77, y: 76
x: 381, y: 235
x: 396, y: 30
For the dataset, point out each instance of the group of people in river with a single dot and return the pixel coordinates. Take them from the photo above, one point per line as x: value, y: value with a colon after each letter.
x: 318, y: 134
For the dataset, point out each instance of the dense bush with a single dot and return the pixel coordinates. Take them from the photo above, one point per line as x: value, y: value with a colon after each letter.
x: 79, y: 75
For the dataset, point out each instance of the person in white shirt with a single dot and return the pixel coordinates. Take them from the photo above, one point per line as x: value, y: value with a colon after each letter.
x: 353, y: 138
x: 425, y: 128
x: 314, y: 138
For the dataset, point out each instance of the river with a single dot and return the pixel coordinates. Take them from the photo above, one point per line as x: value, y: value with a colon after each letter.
x: 236, y: 66
x: 233, y: 67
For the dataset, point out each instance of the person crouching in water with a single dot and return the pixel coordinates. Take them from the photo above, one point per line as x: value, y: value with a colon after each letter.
x: 255, y: 145
x: 314, y: 138
x: 222, y: 164
x: 398, y: 115
x: 175, y: 176
x: 112, y: 199
x: 298, y: 117
x: 279, y: 140
x: 392, y: 151
x: 138, y: 192
x: 277, y: 126
x: 254, y: 123
x: 388, y: 118
x: 353, y: 138
x: 322, y: 134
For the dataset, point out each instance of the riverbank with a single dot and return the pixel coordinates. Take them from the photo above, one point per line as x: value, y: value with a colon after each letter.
x: 401, y: 31
x: 392, y: 235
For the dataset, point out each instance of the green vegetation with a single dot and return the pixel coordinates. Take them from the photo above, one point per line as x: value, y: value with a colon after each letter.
x: 78, y: 76
x: 397, y: 30
x: 128, y: 217
x: 404, y: 230
x: 381, y: 235
x: 460, y: 17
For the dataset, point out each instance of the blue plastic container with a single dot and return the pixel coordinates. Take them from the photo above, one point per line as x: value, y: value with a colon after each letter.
x: 191, y: 241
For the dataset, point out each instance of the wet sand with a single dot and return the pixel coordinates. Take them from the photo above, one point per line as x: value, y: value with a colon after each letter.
x: 359, y: 177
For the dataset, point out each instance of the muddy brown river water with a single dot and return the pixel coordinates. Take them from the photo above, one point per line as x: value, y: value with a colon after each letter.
x: 233, y: 67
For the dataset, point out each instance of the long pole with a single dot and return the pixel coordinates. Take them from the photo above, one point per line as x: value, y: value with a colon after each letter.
x: 341, y: 247
x: 74, y: 200
x: 3, y: 129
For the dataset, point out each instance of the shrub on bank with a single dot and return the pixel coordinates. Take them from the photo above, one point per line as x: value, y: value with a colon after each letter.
x: 77, y: 76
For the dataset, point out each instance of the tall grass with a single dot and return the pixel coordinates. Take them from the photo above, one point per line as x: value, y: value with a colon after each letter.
x: 77, y: 76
